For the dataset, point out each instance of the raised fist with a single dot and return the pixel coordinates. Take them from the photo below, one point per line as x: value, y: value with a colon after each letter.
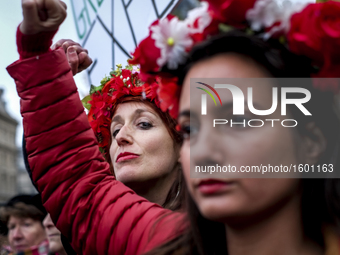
x: 42, y: 15
x: 77, y: 56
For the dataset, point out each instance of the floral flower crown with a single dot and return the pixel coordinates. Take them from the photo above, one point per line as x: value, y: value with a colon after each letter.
x: 121, y: 82
x: 312, y: 30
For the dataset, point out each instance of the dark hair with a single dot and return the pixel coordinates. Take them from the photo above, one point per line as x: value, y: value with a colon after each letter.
x: 176, y: 193
x: 22, y: 206
x: 320, y: 197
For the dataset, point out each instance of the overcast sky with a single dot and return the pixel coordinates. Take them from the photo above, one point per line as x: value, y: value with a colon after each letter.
x: 10, y: 17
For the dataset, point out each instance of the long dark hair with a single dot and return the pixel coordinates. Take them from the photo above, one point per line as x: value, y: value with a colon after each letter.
x: 320, y: 197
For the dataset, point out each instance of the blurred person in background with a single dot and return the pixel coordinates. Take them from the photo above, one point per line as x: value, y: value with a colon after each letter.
x: 3, y: 240
x: 23, y: 216
x: 54, y: 237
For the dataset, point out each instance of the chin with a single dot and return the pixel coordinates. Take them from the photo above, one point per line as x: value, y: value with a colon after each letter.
x: 21, y: 249
x: 54, y: 248
x: 219, y: 209
x: 127, y: 174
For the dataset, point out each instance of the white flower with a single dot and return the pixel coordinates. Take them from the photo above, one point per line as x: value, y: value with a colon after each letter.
x: 144, y: 95
x: 172, y: 38
x: 290, y: 8
x: 264, y: 14
x: 267, y: 12
x: 202, y: 16
x: 135, y: 69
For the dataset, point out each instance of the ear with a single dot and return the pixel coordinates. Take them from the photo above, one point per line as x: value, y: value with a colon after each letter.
x: 314, y: 143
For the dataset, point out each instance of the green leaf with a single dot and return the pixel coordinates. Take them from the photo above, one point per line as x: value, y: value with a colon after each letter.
x: 105, y: 80
x: 85, y: 102
x: 248, y: 31
x: 94, y: 89
x: 113, y: 73
x: 225, y: 28
x: 283, y: 39
x: 129, y: 67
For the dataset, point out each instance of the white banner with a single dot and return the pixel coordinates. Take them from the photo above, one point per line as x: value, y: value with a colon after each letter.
x: 111, y: 29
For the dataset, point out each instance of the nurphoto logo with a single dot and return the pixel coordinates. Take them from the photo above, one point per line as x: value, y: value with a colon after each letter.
x: 239, y: 102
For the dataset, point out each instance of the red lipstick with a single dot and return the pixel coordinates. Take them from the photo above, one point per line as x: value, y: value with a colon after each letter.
x: 126, y: 156
x: 213, y: 186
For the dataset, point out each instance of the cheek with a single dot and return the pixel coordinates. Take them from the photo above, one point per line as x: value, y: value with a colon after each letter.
x: 10, y: 237
x: 274, y: 146
x: 185, y: 161
x: 185, y: 157
x: 113, y: 149
x: 282, y: 149
x: 35, y: 235
x: 156, y: 143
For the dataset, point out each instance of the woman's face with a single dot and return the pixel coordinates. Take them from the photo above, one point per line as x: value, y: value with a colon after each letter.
x: 142, y: 149
x: 24, y: 233
x: 229, y: 198
x: 53, y: 235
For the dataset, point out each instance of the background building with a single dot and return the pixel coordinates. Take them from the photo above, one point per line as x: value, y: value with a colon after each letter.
x: 8, y: 153
x: 13, y: 177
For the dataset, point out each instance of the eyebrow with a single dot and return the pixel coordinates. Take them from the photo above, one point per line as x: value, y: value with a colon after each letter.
x: 185, y: 113
x: 188, y: 114
x: 119, y: 118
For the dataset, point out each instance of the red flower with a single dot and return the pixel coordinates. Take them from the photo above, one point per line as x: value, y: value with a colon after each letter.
x: 126, y: 73
x: 101, y: 128
x: 99, y: 105
x: 152, y: 92
x: 168, y: 94
x: 231, y: 12
x: 146, y: 55
x: 211, y: 29
x: 315, y: 33
x: 109, y: 85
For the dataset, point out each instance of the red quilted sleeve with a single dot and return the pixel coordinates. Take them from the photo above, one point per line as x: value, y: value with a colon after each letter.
x: 33, y: 45
x: 98, y: 214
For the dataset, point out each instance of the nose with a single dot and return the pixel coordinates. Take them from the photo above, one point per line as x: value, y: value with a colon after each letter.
x: 48, y: 222
x: 124, y: 136
x: 17, y: 233
x: 206, y: 150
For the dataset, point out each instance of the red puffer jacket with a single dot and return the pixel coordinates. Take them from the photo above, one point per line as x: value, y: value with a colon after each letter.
x: 98, y: 214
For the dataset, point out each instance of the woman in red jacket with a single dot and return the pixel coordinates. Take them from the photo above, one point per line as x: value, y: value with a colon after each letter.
x: 134, y: 229
x: 145, y: 154
x: 138, y: 139
x: 247, y: 216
